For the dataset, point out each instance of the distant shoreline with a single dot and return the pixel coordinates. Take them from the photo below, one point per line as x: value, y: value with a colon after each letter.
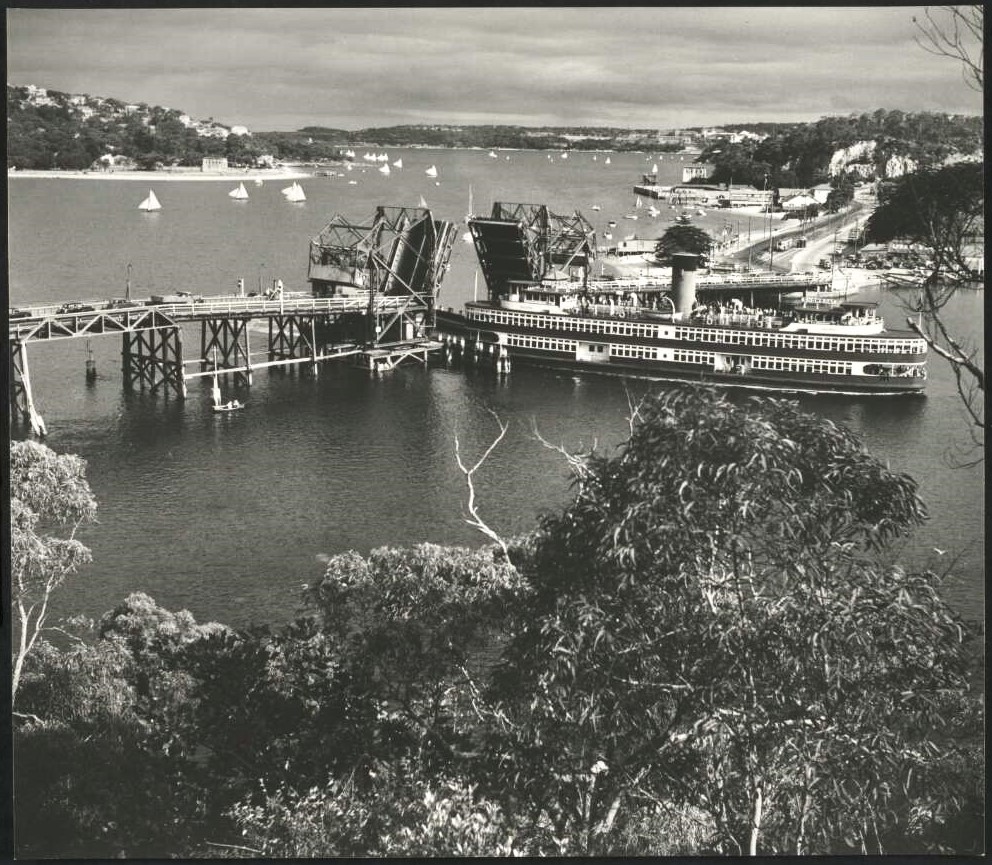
x: 156, y: 176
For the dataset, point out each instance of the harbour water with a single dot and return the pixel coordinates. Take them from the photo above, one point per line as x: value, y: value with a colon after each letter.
x: 227, y: 515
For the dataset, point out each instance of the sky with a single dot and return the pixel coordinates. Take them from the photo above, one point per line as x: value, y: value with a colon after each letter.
x: 634, y: 67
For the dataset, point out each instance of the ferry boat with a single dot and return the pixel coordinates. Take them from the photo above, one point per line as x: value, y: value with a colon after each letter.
x: 544, y: 309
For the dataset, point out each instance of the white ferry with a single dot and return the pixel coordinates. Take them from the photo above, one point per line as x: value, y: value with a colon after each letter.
x: 543, y: 309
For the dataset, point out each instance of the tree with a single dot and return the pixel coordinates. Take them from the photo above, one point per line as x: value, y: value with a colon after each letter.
x: 683, y: 238
x: 713, y: 625
x: 47, y: 491
x: 841, y: 192
x: 957, y: 32
x: 942, y: 209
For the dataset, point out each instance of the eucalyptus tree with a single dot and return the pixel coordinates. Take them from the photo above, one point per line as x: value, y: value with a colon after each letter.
x: 713, y: 629
x: 683, y: 238
x: 48, y: 492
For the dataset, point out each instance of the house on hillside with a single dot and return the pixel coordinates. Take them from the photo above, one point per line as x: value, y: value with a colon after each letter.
x: 820, y: 192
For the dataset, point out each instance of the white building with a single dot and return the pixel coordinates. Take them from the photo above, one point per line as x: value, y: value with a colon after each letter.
x: 240, y: 130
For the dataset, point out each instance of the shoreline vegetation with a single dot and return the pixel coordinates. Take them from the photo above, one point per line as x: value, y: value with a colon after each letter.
x: 288, y: 173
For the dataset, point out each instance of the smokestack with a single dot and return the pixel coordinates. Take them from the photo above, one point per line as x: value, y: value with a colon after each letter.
x: 684, y: 266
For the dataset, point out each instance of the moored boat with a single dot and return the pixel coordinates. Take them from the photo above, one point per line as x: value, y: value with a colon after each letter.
x: 544, y: 309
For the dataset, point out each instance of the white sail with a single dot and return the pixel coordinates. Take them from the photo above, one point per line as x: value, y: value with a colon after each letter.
x: 493, y: 154
x: 215, y: 391
x: 432, y: 171
x: 654, y: 168
x: 423, y: 202
x: 150, y: 203
x: 398, y: 163
x: 384, y: 169
x: 564, y: 156
x: 595, y: 207
x: 607, y: 235
x: 607, y: 162
x: 288, y: 190
x: 295, y: 193
x: 240, y: 193
x: 638, y: 202
x: 467, y: 237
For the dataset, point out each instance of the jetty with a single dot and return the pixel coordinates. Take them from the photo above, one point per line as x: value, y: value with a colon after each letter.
x: 374, y: 290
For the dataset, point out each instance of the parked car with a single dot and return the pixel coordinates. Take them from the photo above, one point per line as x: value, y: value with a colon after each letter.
x: 19, y: 313
x: 122, y: 303
x: 73, y: 307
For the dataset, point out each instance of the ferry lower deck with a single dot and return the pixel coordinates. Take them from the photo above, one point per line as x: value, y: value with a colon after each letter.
x: 731, y: 354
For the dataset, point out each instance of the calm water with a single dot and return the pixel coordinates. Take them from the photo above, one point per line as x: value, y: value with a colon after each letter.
x: 226, y: 515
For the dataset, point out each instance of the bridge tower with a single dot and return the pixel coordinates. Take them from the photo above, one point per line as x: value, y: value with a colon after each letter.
x: 396, y: 262
x: 152, y: 357
x: 523, y: 244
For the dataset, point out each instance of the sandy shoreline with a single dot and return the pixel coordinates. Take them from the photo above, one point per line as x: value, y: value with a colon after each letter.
x: 158, y: 176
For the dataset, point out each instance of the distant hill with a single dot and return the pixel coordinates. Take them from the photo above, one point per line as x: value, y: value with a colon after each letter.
x: 51, y: 129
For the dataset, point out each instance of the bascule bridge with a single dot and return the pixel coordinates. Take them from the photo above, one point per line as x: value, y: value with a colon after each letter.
x: 374, y: 290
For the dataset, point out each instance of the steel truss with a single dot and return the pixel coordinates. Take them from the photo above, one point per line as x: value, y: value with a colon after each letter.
x: 529, y: 242
x: 403, y: 254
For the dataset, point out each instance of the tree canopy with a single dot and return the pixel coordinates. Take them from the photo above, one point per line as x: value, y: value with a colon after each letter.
x: 708, y: 650
x: 683, y: 238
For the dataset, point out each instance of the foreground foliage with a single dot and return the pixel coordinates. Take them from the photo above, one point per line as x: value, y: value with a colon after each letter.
x: 706, y: 651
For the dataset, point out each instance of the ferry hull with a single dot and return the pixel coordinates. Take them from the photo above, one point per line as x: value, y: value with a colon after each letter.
x: 484, y: 346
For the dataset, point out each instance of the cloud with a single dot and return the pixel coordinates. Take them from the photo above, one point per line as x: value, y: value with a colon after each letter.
x: 622, y: 66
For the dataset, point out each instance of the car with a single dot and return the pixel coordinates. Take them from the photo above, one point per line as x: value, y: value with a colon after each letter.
x: 74, y: 307
x: 122, y: 303
x: 19, y: 313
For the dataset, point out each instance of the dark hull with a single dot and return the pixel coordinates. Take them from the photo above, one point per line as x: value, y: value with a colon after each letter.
x: 454, y: 325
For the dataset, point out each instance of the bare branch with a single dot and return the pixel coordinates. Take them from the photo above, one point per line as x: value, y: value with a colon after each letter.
x: 476, y: 521
x: 958, y: 35
x: 576, y: 462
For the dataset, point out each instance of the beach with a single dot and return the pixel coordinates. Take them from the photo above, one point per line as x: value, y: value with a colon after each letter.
x: 284, y: 173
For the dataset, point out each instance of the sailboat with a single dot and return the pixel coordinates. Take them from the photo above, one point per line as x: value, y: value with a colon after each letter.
x: 398, y: 163
x: 608, y: 161
x: 653, y: 211
x: 218, y: 403
x: 258, y: 181
x: 637, y: 202
x: 654, y: 168
x: 240, y: 193
x: 423, y: 202
x: 150, y: 203
x: 294, y: 193
x: 493, y: 154
x: 384, y: 169
x: 595, y: 207
x: 432, y: 171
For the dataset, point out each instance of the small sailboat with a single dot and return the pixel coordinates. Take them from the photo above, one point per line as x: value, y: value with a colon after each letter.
x: 607, y: 235
x: 352, y: 183
x: 654, y: 168
x: 595, y: 207
x: 294, y: 193
x: 493, y: 154
x: 432, y: 171
x: 258, y: 181
x: 398, y: 163
x: 630, y: 216
x: 653, y: 211
x: 564, y: 156
x: 612, y: 223
x: 594, y: 158
x: 467, y: 237
x: 218, y: 402
x: 151, y: 203
x: 239, y: 193
x: 638, y: 203
x: 607, y: 161
x: 423, y: 202
x: 384, y: 169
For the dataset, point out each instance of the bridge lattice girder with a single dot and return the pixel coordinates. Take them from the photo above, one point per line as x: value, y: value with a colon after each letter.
x: 528, y: 242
